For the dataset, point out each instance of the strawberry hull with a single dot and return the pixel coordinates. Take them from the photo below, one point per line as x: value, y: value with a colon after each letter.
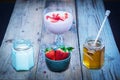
x: 58, y: 65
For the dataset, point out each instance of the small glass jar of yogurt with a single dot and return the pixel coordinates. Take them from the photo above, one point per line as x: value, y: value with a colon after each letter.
x: 22, y: 55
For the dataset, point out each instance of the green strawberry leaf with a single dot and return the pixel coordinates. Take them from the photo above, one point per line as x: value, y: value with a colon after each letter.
x: 66, y: 49
x: 63, y: 48
x: 70, y: 49
x: 47, y: 49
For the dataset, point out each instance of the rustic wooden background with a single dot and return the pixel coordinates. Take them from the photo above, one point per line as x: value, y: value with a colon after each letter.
x: 26, y: 23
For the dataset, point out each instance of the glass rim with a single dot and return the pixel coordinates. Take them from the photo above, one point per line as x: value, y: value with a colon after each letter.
x: 18, y: 42
x: 51, y: 9
x: 99, y: 41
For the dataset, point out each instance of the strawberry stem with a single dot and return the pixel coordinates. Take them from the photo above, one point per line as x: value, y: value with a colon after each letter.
x: 65, y: 49
x: 70, y: 49
x: 47, y: 49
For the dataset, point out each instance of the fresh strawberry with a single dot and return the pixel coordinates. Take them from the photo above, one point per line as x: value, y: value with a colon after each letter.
x: 65, y: 55
x: 54, y: 21
x: 50, y: 54
x: 54, y: 18
x: 58, y: 55
x: 65, y: 51
x: 47, y: 17
x: 53, y: 15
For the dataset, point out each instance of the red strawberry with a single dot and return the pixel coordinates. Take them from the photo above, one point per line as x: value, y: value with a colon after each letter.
x: 53, y: 15
x: 65, y: 55
x: 48, y: 17
x: 57, y: 17
x: 58, y: 55
x: 54, y: 18
x: 50, y: 54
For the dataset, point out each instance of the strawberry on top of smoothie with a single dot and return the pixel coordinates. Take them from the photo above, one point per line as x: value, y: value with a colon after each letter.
x: 55, y: 17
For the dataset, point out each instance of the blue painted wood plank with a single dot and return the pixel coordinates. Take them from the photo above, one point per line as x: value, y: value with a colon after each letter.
x: 70, y: 39
x: 24, y: 24
x: 90, y: 14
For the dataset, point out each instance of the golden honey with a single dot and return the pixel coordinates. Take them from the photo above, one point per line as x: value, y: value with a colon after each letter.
x: 93, y: 55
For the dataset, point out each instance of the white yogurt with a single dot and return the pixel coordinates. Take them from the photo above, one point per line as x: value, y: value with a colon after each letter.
x: 60, y: 26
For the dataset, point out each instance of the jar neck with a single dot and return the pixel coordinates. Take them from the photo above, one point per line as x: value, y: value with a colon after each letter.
x: 21, y: 45
x: 90, y: 44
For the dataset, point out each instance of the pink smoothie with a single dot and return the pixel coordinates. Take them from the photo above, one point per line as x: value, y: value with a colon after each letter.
x: 58, y: 22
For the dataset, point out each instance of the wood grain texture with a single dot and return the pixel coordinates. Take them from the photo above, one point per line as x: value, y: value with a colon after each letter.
x: 25, y: 23
x: 70, y: 39
x: 90, y: 16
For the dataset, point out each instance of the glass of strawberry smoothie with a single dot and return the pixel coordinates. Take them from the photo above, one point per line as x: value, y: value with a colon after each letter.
x: 58, y: 21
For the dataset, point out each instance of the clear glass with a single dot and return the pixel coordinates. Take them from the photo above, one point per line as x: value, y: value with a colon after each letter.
x: 58, y: 20
x: 93, y: 55
x: 21, y: 44
x: 22, y: 55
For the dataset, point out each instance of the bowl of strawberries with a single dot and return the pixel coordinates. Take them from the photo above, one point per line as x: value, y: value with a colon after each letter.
x: 58, y: 60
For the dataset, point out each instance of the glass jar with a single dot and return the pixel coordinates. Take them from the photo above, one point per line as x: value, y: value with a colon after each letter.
x: 93, y: 54
x: 22, y: 55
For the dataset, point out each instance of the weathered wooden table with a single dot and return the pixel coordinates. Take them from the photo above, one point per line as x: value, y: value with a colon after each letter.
x: 26, y: 23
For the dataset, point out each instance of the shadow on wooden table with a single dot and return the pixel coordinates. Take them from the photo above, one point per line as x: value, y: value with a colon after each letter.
x: 114, y: 18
